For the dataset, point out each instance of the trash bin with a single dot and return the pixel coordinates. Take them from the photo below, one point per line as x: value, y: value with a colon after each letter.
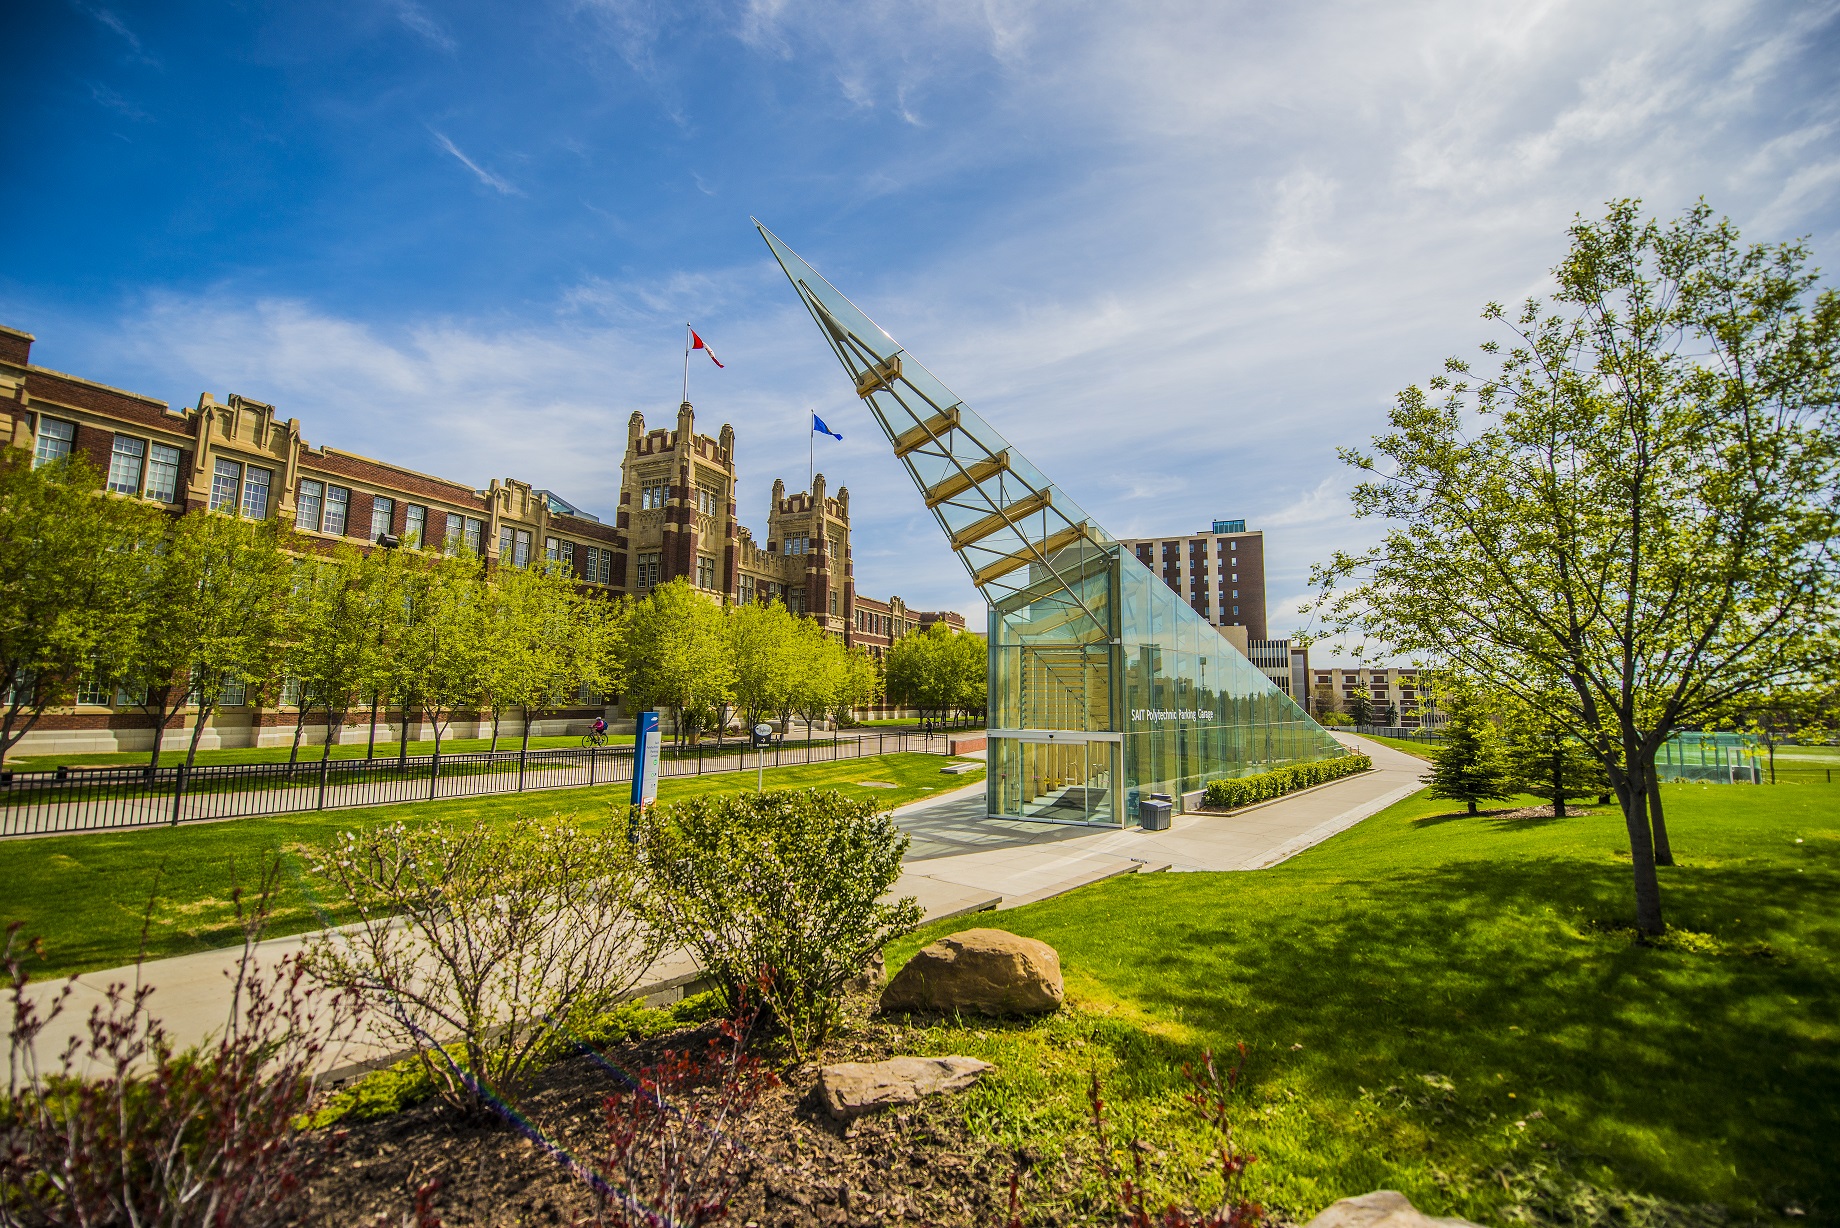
x: 1154, y: 815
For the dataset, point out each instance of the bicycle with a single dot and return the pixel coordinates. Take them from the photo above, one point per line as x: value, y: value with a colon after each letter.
x: 592, y: 739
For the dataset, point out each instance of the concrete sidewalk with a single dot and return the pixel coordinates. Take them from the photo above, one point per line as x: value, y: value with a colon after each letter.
x: 959, y: 862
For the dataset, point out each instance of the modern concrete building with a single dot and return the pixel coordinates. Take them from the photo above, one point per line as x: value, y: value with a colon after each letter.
x: 677, y: 517
x: 1105, y: 687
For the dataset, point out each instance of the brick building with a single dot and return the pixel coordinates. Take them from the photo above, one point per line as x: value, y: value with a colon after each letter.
x: 677, y: 517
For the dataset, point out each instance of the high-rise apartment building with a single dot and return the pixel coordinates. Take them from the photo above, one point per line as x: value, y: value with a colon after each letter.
x: 1221, y: 575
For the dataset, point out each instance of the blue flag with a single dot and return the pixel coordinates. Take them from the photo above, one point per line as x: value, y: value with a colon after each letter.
x: 817, y: 424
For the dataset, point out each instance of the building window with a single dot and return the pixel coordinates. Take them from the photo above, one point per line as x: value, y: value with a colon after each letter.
x: 705, y: 571
x: 707, y: 500
x: 559, y: 551
x: 513, y: 546
x: 163, y: 473
x: 415, y: 524
x: 653, y: 496
x: 125, y: 464
x: 645, y: 574
x: 598, y: 566
x: 338, y: 510
x: 54, y: 441
x: 455, y: 534
x: 255, y: 493
x: 798, y: 543
x: 308, y: 500
x: 833, y: 603
x: 227, y: 484
x: 89, y: 691
x: 130, y: 697
x: 747, y: 589
x: 233, y: 693
x: 290, y: 693
x: 475, y: 541
x: 383, y: 514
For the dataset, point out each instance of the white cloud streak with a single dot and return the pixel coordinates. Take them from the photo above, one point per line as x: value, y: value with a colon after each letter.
x: 502, y: 186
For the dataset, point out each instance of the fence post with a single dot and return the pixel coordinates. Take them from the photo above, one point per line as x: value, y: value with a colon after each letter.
x: 522, y: 751
x: 593, y: 754
x: 178, y: 792
x: 325, y: 765
x: 699, y: 754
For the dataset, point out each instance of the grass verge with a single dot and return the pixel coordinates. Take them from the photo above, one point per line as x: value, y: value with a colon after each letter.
x: 1451, y: 1007
x: 86, y: 894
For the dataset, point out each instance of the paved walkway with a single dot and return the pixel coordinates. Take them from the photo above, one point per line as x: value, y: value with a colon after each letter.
x: 959, y: 862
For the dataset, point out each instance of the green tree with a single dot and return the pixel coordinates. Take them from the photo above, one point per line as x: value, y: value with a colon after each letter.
x: 1468, y: 765
x: 1361, y: 706
x: 213, y: 595
x: 859, y: 683
x: 1544, y: 756
x: 327, y: 638
x: 1635, y: 495
x: 446, y: 644
x: 764, y: 645
x: 819, y: 676
x: 70, y: 562
x: 675, y: 655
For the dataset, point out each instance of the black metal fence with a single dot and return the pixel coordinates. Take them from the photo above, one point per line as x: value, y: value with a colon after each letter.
x: 71, y: 799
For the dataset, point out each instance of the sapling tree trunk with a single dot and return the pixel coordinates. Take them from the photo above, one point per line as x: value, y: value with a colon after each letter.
x: 1657, y: 822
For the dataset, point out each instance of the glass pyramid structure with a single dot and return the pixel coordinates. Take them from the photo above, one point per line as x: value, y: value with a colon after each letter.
x: 1105, y: 687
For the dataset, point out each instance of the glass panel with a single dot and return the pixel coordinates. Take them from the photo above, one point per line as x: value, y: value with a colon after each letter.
x: 307, y: 504
x: 54, y: 440
x: 415, y: 524
x: 227, y: 484
x: 125, y: 464
x: 383, y: 512
x: 1084, y: 638
x: 163, y: 473
x: 255, y: 493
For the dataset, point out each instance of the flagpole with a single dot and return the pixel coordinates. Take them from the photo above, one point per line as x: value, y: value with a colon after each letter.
x: 686, y: 363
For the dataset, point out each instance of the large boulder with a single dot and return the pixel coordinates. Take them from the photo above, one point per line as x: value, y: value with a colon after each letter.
x: 987, y: 972
x: 850, y: 1089
x: 1381, y: 1209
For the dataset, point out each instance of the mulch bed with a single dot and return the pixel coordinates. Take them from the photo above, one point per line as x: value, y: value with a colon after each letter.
x: 796, y: 1167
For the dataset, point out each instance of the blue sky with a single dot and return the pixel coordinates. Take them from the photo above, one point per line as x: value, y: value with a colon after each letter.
x: 1176, y: 252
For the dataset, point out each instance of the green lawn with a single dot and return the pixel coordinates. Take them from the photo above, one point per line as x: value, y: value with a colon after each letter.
x: 1444, y: 1006
x: 86, y: 894
x: 1419, y: 750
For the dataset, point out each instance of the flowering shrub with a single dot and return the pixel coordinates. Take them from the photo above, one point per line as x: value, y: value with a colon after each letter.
x: 477, y: 943
x: 786, y: 884
x: 1245, y: 790
x: 124, y: 1128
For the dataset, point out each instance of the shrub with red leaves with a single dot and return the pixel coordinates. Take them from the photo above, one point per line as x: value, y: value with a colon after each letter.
x: 124, y: 1128
x: 1208, y: 1096
x: 672, y: 1141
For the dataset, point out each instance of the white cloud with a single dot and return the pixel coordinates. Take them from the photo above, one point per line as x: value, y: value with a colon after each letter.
x: 502, y: 186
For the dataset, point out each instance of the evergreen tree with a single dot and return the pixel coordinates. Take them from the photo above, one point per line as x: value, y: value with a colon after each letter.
x: 1469, y: 765
x: 1361, y: 707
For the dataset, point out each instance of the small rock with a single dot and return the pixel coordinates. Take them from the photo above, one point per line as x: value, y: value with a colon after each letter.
x: 873, y: 974
x: 1380, y: 1209
x: 850, y: 1089
x: 988, y: 971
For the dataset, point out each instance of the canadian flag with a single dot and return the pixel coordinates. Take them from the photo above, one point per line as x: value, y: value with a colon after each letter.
x: 697, y: 343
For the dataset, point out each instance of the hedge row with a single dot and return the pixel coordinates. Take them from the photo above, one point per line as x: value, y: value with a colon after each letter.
x: 1245, y: 790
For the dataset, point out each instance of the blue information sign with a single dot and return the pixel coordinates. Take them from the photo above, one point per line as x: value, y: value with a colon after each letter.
x: 645, y: 760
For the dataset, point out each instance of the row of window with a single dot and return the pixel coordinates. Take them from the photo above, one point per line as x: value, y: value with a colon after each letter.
x: 146, y: 469
x: 654, y: 495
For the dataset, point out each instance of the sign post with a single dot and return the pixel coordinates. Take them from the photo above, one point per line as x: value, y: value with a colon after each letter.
x: 645, y: 765
x: 763, y: 735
